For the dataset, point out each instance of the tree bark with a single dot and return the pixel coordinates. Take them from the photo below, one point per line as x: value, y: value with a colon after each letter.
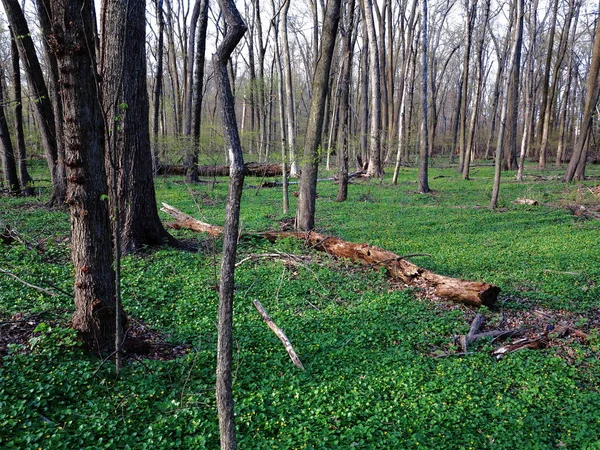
x: 191, y: 174
x: 290, y: 116
x: 374, y: 168
x: 95, y: 314
x: 477, y: 94
x: 21, y: 156
x: 42, y: 105
x: 424, y: 152
x: 471, y: 10
x: 225, y: 405
x: 503, y: 115
x: 158, y: 85
x: 9, y: 165
x: 305, y: 213
x: 125, y: 102
x: 576, y: 168
x: 344, y: 95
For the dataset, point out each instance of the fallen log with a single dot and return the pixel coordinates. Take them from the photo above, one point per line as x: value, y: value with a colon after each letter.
x: 473, y: 293
x: 279, y: 333
x: 525, y: 201
x: 250, y: 169
x: 185, y: 221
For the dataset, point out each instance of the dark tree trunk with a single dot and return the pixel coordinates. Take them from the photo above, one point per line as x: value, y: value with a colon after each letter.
x: 125, y: 102
x: 11, y: 180
x: 43, y: 10
x: 576, y: 168
x: 94, y: 317
x: 21, y: 156
x: 158, y: 84
x: 423, y: 154
x: 189, y: 70
x: 224, y: 389
x: 305, y: 214
x: 344, y: 96
x: 42, y: 104
x: 191, y: 171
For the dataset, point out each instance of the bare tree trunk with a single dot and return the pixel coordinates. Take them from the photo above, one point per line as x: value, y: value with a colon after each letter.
x: 546, y: 81
x: 364, y: 101
x: 305, y: 213
x: 560, y: 56
x: 374, y: 168
x: 289, y: 92
x: 125, y: 102
x: 344, y: 96
x: 476, y: 94
x: 510, y: 160
x: 191, y: 162
x: 21, y: 156
x: 576, y: 168
x: 518, y: 31
x: 423, y: 156
x: 567, y: 94
x: 224, y: 390
x: 9, y: 165
x: 189, y: 70
x: 470, y: 10
x: 173, y: 68
x: 44, y: 114
x: 95, y: 313
x: 528, y: 118
x: 158, y: 84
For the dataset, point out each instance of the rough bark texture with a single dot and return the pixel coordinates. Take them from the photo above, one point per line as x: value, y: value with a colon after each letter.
x: 42, y: 106
x: 191, y: 173
x: 158, y: 83
x: 21, y: 154
x: 474, y: 293
x: 503, y: 115
x: 424, y: 151
x: 235, y: 30
x: 94, y: 316
x: 374, y: 168
x: 576, y: 167
x: 125, y: 102
x: 11, y: 180
x: 305, y: 213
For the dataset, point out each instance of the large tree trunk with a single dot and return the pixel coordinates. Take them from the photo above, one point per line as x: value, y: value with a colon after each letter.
x: 424, y: 152
x: 94, y: 317
x: 470, y: 10
x: 510, y: 153
x: 11, y: 180
x: 125, y: 102
x: 473, y: 293
x: 290, y: 116
x: 477, y: 94
x: 374, y: 168
x: 21, y: 156
x: 235, y: 30
x: 518, y: 31
x: 191, y: 173
x: 158, y: 85
x: 305, y: 213
x: 344, y: 95
x: 42, y: 105
x: 576, y: 168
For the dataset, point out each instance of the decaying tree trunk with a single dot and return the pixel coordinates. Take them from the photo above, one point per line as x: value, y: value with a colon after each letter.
x: 250, y: 169
x: 473, y: 293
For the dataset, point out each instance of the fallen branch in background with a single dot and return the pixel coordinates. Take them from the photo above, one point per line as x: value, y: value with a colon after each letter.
x: 473, y: 293
x: 251, y: 169
x: 525, y: 201
x: 32, y: 286
x: 279, y: 333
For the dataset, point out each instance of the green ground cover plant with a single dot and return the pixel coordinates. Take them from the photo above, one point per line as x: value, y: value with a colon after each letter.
x: 373, y: 379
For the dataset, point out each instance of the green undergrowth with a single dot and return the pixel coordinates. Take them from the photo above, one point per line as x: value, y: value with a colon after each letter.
x: 372, y: 380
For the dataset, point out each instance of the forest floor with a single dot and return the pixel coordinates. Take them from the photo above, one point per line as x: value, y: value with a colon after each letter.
x: 385, y: 366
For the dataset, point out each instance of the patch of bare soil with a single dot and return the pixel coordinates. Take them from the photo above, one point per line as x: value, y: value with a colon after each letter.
x: 141, y: 342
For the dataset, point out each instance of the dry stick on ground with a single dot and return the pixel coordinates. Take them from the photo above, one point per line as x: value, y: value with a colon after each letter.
x: 473, y: 293
x: 32, y: 286
x: 464, y: 340
x: 279, y: 333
